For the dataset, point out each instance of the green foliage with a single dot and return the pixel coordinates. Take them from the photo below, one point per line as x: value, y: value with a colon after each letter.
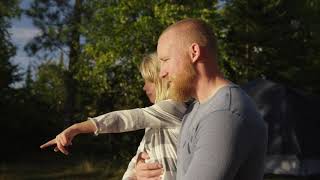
x: 50, y: 85
x: 119, y: 33
x: 276, y: 39
x: 8, y: 71
x: 59, y: 23
x: 53, y: 18
x: 28, y: 80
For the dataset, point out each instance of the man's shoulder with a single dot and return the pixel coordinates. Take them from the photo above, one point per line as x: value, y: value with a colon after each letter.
x: 221, y: 101
x: 231, y: 99
x: 231, y: 102
x: 221, y: 115
x: 235, y: 107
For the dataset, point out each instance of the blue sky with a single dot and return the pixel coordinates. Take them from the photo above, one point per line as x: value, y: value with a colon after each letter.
x: 22, y: 31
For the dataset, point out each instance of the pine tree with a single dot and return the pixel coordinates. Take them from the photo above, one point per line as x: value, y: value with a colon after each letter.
x: 59, y: 23
x: 28, y: 80
x: 8, y: 71
x: 277, y: 39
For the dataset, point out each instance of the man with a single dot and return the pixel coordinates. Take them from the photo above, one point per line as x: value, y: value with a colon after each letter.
x: 223, y: 137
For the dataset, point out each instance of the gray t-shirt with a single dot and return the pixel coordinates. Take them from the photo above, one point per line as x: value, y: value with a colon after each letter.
x: 223, y: 138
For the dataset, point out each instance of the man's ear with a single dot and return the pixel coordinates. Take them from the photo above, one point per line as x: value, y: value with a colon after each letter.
x: 194, y: 52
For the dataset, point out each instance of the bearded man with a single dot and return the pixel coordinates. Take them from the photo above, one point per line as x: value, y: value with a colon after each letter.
x: 222, y: 137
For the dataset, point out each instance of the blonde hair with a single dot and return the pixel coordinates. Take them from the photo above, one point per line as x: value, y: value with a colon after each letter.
x: 150, y: 69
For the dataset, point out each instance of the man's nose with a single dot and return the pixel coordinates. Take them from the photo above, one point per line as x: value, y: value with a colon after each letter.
x: 163, y: 73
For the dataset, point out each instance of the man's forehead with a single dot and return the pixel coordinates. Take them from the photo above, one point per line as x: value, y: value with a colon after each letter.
x: 168, y: 34
x: 163, y: 39
x: 163, y: 44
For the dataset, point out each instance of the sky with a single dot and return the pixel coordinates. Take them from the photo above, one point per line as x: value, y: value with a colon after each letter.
x: 22, y: 31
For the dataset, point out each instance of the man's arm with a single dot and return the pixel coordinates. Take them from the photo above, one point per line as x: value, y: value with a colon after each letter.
x: 147, y: 171
x: 130, y: 173
x: 221, y: 145
x: 139, y: 170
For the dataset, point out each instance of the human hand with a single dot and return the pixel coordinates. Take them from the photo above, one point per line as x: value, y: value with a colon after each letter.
x: 62, y: 140
x: 147, y: 171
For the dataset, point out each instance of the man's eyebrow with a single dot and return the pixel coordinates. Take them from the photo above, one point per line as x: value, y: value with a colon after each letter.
x: 163, y: 58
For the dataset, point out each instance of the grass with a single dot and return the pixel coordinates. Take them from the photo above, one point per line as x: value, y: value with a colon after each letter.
x: 61, y: 167
x: 57, y: 166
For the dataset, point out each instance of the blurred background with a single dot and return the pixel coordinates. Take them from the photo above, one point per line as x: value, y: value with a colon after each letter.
x: 63, y: 61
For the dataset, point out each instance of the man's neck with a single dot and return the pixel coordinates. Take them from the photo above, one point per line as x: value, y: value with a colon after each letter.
x: 206, y: 87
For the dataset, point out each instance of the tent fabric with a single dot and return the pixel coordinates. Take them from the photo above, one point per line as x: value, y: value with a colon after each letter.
x: 293, y: 127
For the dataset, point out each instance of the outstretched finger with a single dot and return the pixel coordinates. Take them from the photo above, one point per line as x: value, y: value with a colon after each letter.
x: 62, y: 149
x: 63, y: 139
x: 49, y: 143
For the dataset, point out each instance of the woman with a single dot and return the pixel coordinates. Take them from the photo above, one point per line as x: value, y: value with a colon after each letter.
x: 161, y: 122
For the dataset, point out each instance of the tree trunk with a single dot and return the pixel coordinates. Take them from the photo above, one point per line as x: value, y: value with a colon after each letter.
x: 74, y: 47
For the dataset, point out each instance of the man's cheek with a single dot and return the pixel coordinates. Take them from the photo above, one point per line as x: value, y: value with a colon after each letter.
x: 171, y: 71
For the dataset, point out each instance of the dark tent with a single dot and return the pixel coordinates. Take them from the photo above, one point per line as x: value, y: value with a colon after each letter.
x: 293, y: 127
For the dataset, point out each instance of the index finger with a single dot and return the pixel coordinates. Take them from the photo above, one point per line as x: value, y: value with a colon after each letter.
x: 49, y: 143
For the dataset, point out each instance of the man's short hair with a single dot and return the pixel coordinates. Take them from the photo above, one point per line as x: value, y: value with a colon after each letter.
x: 198, y: 31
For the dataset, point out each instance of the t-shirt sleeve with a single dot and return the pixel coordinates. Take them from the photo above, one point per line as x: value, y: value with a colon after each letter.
x: 216, y: 147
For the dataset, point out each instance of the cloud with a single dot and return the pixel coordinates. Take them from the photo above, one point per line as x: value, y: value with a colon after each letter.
x: 22, y: 35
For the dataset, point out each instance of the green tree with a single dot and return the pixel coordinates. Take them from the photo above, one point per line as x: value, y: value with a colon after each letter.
x: 277, y: 39
x: 28, y: 80
x: 49, y: 85
x: 119, y: 33
x: 59, y: 22
x: 8, y: 71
